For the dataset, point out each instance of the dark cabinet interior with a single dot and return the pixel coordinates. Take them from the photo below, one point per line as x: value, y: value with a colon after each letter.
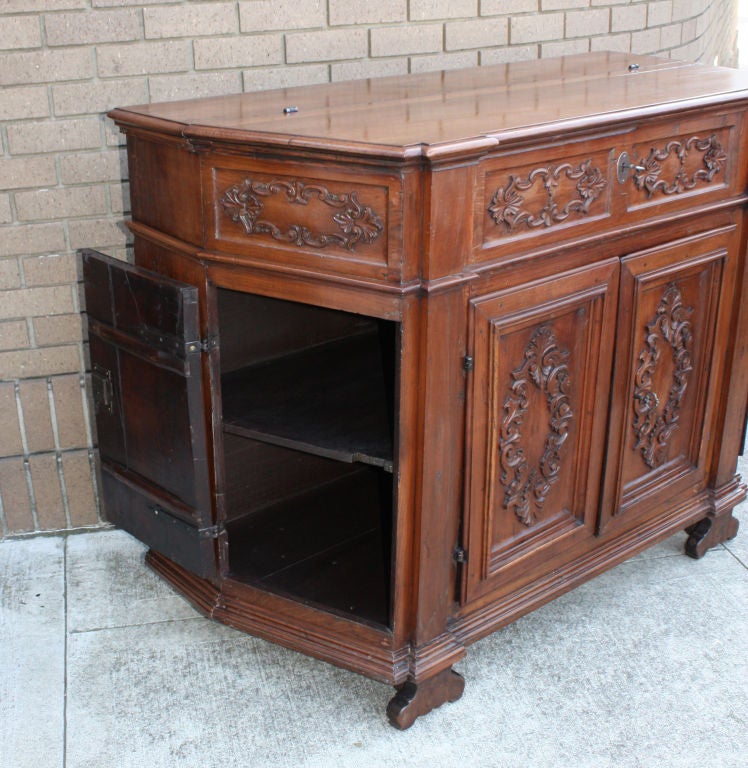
x: 308, y: 399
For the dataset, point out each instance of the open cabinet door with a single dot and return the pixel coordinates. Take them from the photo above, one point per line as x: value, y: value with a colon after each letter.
x: 147, y: 386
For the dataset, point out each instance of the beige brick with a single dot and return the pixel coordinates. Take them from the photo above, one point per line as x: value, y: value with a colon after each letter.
x: 509, y: 54
x: 586, y: 23
x: 686, y: 9
x: 11, y: 443
x: 357, y: 70
x: 27, y: 6
x: 174, y: 87
x: 6, y: 214
x: 115, y: 3
x: 399, y: 41
x: 76, y: 468
x: 46, y: 361
x: 144, y: 58
x: 646, y: 41
x: 119, y: 196
x: 670, y: 36
x: 32, y: 302
x: 24, y: 102
x: 688, y: 31
x: 10, y: 273
x: 14, y: 334
x: 326, y: 45
x: 97, y: 233
x: 37, y: 419
x: 660, y: 12
x: 232, y: 52
x: 476, y: 33
x: 435, y: 62
x: 628, y: 18
x: 508, y: 7
x: 84, y: 28
x: 50, y: 269
x: 366, y: 12
x: 190, y: 20
x: 17, y: 173
x: 71, y: 424
x: 285, y: 77
x: 54, y: 136
x: 560, y: 5
x: 21, y: 240
x: 428, y: 10
x: 14, y: 490
x: 88, y: 167
x: 45, y: 478
x: 61, y: 203
x: 45, y: 66
x: 620, y: 43
x: 262, y: 15
x: 57, y: 330
x: 20, y: 32
x: 88, y: 98
x: 609, y: 2
x: 530, y: 29
x: 564, y: 48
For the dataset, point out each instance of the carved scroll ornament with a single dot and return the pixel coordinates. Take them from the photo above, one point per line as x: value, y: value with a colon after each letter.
x: 545, y: 367
x: 508, y: 206
x: 653, y: 427
x: 713, y: 158
x: 355, y: 222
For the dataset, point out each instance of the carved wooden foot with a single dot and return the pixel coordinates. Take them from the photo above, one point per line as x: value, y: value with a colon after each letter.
x: 413, y: 700
x: 709, y: 532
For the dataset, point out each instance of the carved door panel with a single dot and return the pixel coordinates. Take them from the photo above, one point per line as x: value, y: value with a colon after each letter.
x: 673, y: 331
x: 148, y: 401
x: 537, y: 412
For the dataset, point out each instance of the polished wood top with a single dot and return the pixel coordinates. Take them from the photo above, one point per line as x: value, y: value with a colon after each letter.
x: 446, y: 113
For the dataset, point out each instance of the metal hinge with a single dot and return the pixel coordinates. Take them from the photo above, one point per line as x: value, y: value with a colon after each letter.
x: 204, y: 345
x: 468, y: 363
x: 459, y: 555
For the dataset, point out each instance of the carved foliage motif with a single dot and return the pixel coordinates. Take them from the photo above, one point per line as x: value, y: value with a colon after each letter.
x: 713, y: 158
x: 653, y: 427
x: 507, y: 204
x: 355, y: 222
x: 544, y: 367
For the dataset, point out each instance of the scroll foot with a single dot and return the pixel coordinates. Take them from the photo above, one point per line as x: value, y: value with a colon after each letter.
x: 413, y: 700
x: 709, y: 532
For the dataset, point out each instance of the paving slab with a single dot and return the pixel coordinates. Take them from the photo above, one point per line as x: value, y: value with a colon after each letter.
x: 32, y: 653
x: 110, y: 586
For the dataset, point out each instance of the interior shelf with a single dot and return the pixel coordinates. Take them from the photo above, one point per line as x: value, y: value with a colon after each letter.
x: 323, y: 546
x: 329, y: 400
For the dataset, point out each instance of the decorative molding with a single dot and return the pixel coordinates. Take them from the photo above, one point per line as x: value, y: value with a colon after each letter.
x: 544, y: 365
x: 714, y: 159
x: 507, y: 203
x: 653, y: 427
x: 355, y: 222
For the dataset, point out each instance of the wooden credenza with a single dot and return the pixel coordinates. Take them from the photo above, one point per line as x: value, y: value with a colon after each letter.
x: 401, y: 360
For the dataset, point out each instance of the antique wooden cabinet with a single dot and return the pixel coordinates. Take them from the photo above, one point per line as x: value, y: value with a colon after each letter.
x: 400, y: 360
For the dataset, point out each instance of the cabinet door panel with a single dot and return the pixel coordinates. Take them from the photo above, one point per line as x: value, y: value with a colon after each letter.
x: 538, y: 406
x: 668, y: 372
x: 148, y: 401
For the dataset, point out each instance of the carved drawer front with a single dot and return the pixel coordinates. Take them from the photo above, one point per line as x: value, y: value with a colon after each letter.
x: 548, y: 194
x: 673, y: 332
x: 538, y: 402
x: 310, y: 217
x: 673, y: 166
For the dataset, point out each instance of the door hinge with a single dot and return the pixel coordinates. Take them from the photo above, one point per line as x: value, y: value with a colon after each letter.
x: 203, y: 345
x: 468, y: 363
x: 459, y: 555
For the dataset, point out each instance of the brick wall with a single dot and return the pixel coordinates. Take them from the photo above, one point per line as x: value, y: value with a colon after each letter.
x: 65, y: 62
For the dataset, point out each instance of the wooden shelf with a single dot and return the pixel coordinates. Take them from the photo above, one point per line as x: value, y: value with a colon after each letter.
x: 322, y: 547
x: 330, y: 400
